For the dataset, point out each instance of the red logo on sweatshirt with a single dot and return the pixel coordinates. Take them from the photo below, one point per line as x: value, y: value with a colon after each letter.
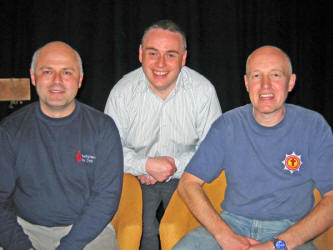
x: 85, y: 158
x: 78, y: 156
x: 292, y: 162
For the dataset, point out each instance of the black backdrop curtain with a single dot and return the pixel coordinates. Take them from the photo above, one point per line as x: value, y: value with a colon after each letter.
x: 220, y: 36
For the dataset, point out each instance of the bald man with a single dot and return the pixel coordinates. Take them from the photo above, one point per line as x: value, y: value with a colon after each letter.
x: 61, y: 163
x: 274, y: 154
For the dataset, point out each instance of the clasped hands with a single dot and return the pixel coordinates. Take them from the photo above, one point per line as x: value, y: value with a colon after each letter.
x: 159, y: 169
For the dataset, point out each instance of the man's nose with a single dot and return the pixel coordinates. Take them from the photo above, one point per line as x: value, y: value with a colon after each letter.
x: 161, y: 61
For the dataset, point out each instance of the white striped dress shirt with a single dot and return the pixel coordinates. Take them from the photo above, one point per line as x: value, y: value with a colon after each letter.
x: 150, y: 126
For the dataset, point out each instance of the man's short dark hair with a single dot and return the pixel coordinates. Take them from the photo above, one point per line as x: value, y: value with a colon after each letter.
x: 166, y: 25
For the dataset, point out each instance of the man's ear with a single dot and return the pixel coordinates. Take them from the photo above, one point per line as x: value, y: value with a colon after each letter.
x: 292, y: 82
x: 140, y: 53
x: 184, y: 58
x: 32, y: 76
x: 246, y: 83
x: 80, y: 81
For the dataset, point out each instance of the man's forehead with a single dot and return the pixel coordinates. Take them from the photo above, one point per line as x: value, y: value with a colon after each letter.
x: 162, y: 35
x: 50, y: 56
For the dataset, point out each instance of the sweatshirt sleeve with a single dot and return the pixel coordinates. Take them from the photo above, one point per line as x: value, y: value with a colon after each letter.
x: 11, y: 233
x: 105, y: 192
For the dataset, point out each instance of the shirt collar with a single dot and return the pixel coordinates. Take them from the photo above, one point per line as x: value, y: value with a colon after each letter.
x: 183, y: 81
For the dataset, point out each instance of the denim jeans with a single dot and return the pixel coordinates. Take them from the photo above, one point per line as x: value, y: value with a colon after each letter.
x: 262, y: 231
x: 152, y: 196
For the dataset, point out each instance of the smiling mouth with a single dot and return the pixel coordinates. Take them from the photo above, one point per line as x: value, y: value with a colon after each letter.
x: 159, y: 73
x: 266, y: 96
x: 56, y: 91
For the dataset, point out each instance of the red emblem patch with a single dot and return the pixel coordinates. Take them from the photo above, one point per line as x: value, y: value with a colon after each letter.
x: 292, y: 162
x: 78, y: 156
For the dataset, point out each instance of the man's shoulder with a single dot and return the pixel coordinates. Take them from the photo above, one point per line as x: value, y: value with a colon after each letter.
x: 199, y: 86
x: 95, y: 120
x: 93, y: 113
x: 238, y: 111
x: 303, y: 113
x: 129, y: 82
x: 233, y: 116
x: 194, y: 78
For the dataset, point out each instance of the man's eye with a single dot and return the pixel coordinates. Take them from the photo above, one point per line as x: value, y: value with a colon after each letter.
x: 67, y: 73
x: 276, y: 75
x: 47, y: 72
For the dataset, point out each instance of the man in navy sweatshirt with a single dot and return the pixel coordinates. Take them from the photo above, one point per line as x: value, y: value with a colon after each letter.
x: 61, y: 163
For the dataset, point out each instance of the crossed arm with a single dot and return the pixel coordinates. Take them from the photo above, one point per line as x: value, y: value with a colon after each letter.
x: 159, y: 170
x: 317, y: 221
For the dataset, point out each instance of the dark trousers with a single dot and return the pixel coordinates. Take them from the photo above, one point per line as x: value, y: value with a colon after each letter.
x: 153, y: 196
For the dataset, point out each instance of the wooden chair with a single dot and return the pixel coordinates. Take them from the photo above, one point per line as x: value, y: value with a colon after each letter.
x: 178, y: 220
x: 14, y: 89
x: 127, y: 221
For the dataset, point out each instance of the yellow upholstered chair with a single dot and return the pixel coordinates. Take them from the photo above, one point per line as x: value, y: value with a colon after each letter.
x: 325, y: 240
x: 127, y: 222
x: 178, y: 220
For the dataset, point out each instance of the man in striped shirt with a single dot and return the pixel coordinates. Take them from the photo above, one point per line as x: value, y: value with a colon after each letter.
x: 163, y: 110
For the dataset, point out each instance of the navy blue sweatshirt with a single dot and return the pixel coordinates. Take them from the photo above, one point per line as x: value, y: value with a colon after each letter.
x: 58, y: 172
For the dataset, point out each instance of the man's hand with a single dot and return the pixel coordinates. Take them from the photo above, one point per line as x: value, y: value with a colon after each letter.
x: 237, y: 242
x: 161, y: 168
x: 147, y: 180
x: 262, y: 246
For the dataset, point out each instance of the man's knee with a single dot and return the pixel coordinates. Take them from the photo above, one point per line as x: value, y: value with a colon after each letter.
x: 106, y: 240
x: 198, y: 238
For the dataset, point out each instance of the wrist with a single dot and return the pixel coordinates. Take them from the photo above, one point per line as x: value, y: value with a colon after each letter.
x: 279, y: 244
x: 147, y: 166
x: 222, y: 235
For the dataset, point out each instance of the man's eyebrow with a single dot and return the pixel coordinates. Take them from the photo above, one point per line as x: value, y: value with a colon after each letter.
x: 69, y: 68
x: 173, y: 51
x: 169, y: 51
x: 150, y: 48
x: 45, y: 67
x: 49, y: 68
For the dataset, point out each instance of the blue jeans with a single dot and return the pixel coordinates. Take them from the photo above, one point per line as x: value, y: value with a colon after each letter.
x: 152, y: 196
x: 262, y: 231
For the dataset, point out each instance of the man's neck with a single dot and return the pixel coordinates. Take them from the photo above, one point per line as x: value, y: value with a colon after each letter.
x: 163, y: 93
x: 57, y: 112
x: 269, y: 119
